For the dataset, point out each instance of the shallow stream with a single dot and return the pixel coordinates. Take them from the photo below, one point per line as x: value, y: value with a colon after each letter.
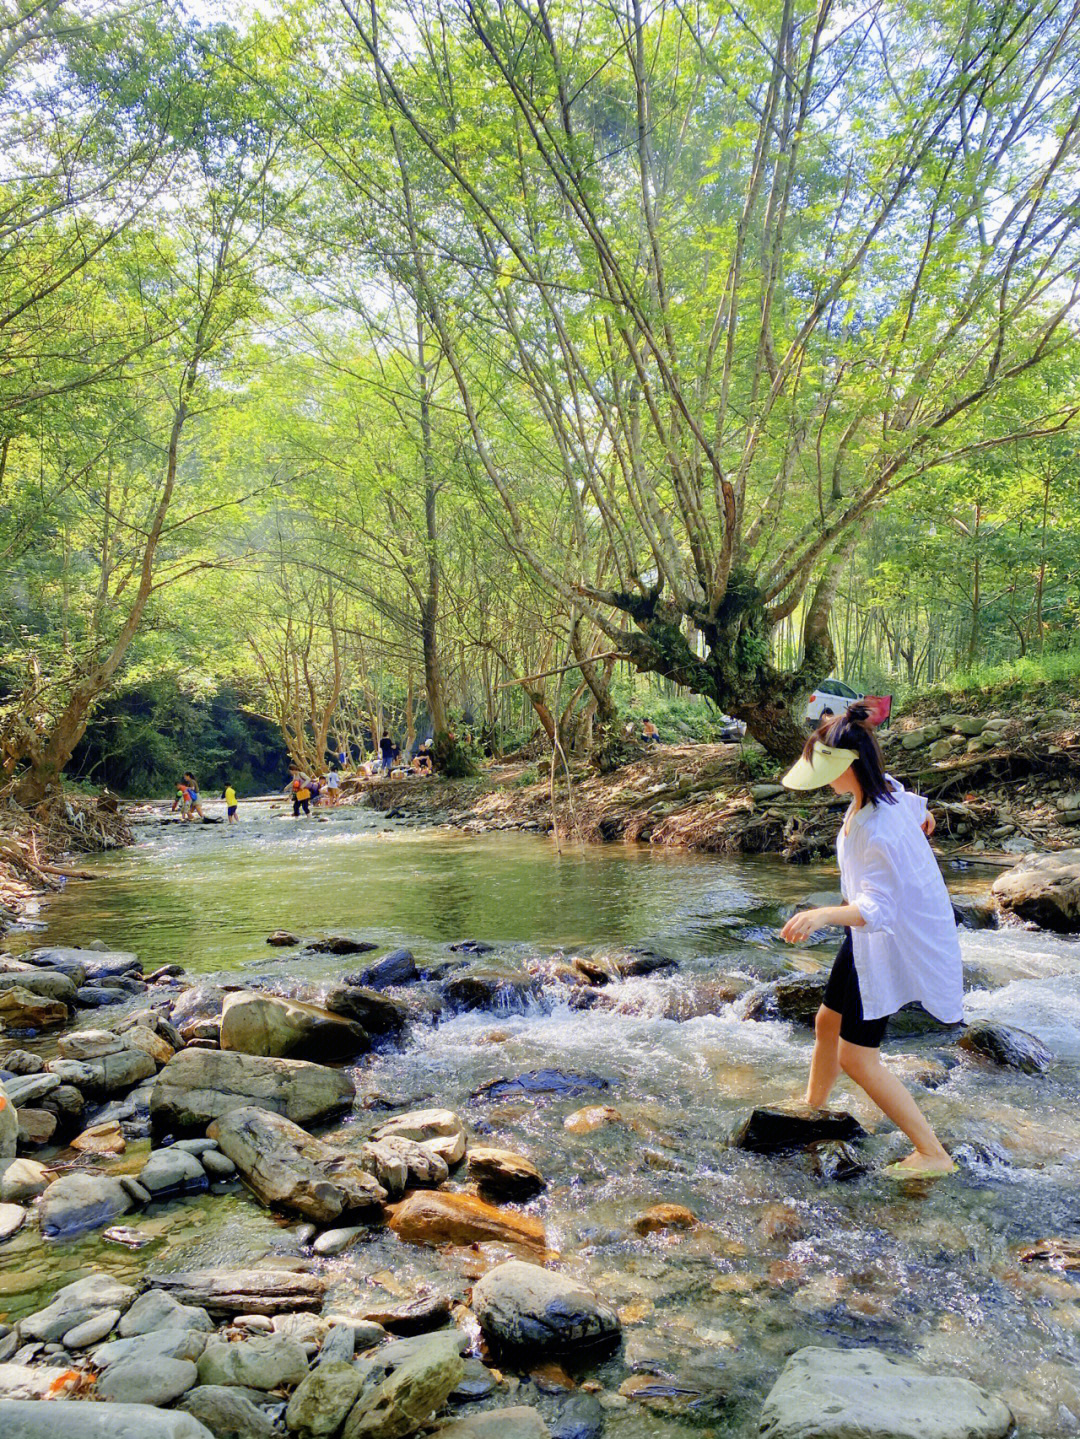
x: 779, y: 1258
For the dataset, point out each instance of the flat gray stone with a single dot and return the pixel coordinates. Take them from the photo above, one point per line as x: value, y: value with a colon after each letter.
x: 228, y: 1412
x: 74, y: 1304
x: 173, y: 1171
x: 30, y: 1419
x: 92, y: 1331
x: 147, y: 1381
x: 161, y: 1344
x: 864, y: 1394
x: 263, y: 1362
x: 156, y: 1310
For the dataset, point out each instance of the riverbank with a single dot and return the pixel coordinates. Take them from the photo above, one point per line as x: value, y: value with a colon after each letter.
x: 36, y: 848
x: 1000, y: 786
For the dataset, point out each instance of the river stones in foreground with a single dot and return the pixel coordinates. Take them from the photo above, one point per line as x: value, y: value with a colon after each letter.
x: 521, y: 1305
x: 74, y: 1305
x: 266, y: 1361
x: 516, y: 1421
x: 1044, y: 888
x: 434, y: 1217
x: 771, y: 1130
x: 282, y: 1164
x: 198, y: 1086
x: 267, y: 1024
x: 414, y: 1391
x: 1006, y: 1045
x: 243, y: 1291
x: 840, y: 1393
x: 227, y: 1412
x: 321, y: 1401
x: 30, y: 1419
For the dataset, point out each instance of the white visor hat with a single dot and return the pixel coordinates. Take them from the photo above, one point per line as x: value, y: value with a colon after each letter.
x: 826, y: 764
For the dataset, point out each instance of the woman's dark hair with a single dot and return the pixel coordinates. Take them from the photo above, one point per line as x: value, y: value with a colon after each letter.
x: 854, y: 731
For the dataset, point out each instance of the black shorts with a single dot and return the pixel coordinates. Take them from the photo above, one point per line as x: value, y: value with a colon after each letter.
x: 842, y: 996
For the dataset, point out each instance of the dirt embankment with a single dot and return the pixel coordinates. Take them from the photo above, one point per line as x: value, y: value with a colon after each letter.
x: 32, y: 844
x: 998, y: 785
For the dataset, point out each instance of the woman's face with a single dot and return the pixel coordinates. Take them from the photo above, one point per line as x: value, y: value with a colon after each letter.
x: 845, y: 783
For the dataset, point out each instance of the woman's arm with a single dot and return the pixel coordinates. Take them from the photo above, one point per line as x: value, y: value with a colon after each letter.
x: 803, y: 924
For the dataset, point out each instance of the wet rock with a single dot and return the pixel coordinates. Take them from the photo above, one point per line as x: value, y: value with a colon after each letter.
x: 89, y: 1044
x: 75, y: 1304
x: 523, y: 1306
x: 282, y: 938
x: 90, y: 963
x: 262, y: 1362
x: 833, y: 1159
x: 172, y: 1171
x: 243, y: 1291
x: 412, y: 1393
x: 12, y: 1219
x: 219, y: 1167
x: 838, y: 1393
x: 796, y: 1000
x: 156, y: 1382
x: 23, y: 1179
x: 158, y: 1344
x: 156, y: 1310
x: 1061, y: 1254
x: 377, y: 1014
x: 398, y: 967
x: 664, y: 1216
x: 321, y: 1401
x: 228, y: 1413
x: 1043, y: 888
x: 704, y: 997
x: 477, y: 1383
x: 21, y: 1061
x: 67, y: 1104
x: 92, y: 1331
x: 79, y: 1201
x: 471, y: 946
x: 340, y: 944
x: 283, y: 1165
x: 771, y: 1130
x: 515, y: 1421
x: 484, y: 989
x: 399, y: 1164
x: 197, y: 1002
x: 435, y: 1217
x: 418, y: 1317
x: 107, y: 1073
x: 425, y: 1126
x: 1006, y: 1045
x: 595, y: 1116
x: 558, y: 1083
x: 22, y: 1010
x: 502, y: 1173
x: 29, y: 1419
x: 973, y: 911
x: 580, y: 1417
x: 333, y: 1241
x: 266, y: 1024
x: 107, y: 1138
x: 198, y: 1086
x: 638, y: 962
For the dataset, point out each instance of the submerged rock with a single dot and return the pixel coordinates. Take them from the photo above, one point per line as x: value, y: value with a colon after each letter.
x: 833, y: 1159
x: 282, y: 1164
x: 22, y: 1010
x: 266, y: 1024
x: 840, y: 1393
x: 515, y: 1421
x: 1006, y: 1045
x: 557, y: 1082
x: 435, y: 1217
x: 1044, y: 888
x: 522, y: 1306
x: 772, y: 1130
x: 664, y: 1216
x: 198, y: 1086
x: 398, y: 967
x: 488, y: 989
x: 172, y: 1171
x: 340, y: 944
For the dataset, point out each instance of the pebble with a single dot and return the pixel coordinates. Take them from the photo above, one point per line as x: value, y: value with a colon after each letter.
x: 92, y: 1331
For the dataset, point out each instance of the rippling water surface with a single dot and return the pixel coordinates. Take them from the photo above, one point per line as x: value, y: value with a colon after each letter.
x: 779, y: 1258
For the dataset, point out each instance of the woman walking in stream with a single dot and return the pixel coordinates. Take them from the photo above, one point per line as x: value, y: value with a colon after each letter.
x: 900, y: 939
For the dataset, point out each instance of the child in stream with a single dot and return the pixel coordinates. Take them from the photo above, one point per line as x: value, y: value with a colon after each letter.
x: 900, y: 942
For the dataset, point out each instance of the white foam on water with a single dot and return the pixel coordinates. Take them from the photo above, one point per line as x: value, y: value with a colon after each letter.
x: 1047, y: 1008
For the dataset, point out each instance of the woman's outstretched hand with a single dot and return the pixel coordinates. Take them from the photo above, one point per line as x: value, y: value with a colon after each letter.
x: 800, y: 926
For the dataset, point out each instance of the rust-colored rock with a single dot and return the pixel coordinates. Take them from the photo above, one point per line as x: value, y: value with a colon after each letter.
x: 433, y: 1217
x: 664, y: 1216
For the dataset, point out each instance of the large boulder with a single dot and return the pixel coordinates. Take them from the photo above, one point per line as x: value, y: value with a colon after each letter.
x: 266, y: 1361
x: 29, y: 1419
x: 105, y: 1074
x: 22, y: 1010
x: 488, y: 989
x: 435, y: 1217
x: 864, y: 1394
x: 412, y: 1393
x: 84, y: 964
x: 522, y: 1306
x: 268, y: 1024
x: 771, y: 1130
x: 155, y: 1310
x: 147, y: 1381
x: 1044, y: 888
x: 440, y: 1128
x: 198, y: 1086
x: 320, y: 1402
x: 80, y: 1201
x: 48, y: 983
x: 283, y: 1165
x: 397, y: 967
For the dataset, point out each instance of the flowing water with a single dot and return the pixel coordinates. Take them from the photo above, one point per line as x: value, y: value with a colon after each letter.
x: 779, y: 1258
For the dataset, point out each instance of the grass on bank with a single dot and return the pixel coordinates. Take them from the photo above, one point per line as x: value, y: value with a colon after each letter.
x: 1034, y: 680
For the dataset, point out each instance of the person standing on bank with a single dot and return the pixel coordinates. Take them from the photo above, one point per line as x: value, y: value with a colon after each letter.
x: 900, y: 942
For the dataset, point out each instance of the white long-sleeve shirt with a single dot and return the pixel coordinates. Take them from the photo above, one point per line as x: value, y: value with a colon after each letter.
x: 907, y: 948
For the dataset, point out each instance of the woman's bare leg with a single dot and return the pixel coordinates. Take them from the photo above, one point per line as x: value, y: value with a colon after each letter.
x: 825, y: 1064
x: 864, y: 1066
